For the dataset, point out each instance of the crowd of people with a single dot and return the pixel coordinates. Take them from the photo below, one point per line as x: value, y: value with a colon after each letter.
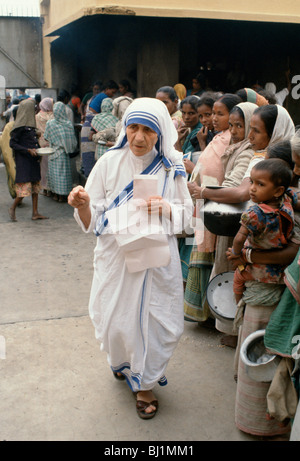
x: 199, y: 146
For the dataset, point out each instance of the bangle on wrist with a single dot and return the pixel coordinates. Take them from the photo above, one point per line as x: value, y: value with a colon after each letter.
x: 248, y: 255
x: 234, y: 253
x: 201, y: 192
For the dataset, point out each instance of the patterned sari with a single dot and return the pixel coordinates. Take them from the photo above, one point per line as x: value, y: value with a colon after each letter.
x: 61, y: 136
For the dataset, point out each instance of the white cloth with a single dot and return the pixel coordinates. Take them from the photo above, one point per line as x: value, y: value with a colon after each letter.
x: 138, y: 317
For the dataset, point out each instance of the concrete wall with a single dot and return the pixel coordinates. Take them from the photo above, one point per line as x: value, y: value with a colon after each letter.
x: 21, y: 58
x: 61, y: 13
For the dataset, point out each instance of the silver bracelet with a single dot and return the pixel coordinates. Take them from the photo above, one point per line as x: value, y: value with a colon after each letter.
x: 248, y: 255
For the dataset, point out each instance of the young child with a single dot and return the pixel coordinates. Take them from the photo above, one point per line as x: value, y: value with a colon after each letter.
x: 268, y: 224
x: 205, y: 112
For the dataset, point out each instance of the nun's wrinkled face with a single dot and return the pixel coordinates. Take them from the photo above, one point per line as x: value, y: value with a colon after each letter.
x: 141, y: 139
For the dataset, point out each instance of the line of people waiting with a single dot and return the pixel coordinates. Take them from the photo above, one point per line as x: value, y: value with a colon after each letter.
x: 231, y: 134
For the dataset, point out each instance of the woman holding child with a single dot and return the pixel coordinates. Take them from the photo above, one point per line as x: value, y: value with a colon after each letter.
x: 260, y: 301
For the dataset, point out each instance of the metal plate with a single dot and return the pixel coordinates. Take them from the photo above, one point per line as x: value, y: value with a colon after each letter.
x: 45, y: 151
x: 220, y: 296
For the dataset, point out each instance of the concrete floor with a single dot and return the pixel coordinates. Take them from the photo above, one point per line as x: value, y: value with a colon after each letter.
x: 55, y: 383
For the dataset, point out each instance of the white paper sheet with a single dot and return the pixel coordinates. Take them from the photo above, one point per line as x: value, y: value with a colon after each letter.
x: 141, y: 238
x: 144, y: 186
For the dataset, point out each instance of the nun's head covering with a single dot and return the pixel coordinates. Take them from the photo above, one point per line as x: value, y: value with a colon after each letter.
x: 153, y: 113
x: 25, y: 114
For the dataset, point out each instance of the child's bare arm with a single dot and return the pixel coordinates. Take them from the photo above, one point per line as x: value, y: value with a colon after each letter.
x: 239, y: 240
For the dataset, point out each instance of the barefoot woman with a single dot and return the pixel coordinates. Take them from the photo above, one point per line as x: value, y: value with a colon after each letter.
x: 24, y: 142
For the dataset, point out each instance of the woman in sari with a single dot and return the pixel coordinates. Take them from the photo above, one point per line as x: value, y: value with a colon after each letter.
x: 45, y: 113
x: 190, y: 126
x: 168, y: 96
x: 87, y: 146
x: 210, y: 169
x: 101, y: 122
x: 206, y: 264
x: 259, y: 302
x: 61, y: 136
x: 138, y: 328
x: 24, y: 143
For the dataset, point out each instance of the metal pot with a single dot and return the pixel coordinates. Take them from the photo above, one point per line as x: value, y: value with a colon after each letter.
x: 223, y: 218
x: 259, y: 364
x: 220, y: 298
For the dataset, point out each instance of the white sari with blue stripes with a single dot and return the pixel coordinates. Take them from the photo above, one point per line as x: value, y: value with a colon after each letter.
x: 138, y: 317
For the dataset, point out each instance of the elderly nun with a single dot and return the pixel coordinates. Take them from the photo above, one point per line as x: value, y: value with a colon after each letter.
x: 136, y: 300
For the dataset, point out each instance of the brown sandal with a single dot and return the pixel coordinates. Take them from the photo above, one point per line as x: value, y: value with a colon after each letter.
x: 119, y: 377
x: 142, y: 406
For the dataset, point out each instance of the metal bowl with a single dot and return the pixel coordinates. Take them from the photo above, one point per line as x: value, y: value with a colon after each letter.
x: 220, y: 298
x: 45, y: 151
x: 260, y: 365
x: 223, y: 218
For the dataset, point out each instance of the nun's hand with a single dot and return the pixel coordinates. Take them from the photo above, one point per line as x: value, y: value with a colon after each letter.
x: 156, y: 204
x: 79, y: 198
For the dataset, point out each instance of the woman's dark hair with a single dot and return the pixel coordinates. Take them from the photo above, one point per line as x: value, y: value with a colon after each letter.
x: 169, y: 90
x: 200, y: 79
x: 126, y: 84
x: 280, y: 172
x: 192, y: 100
x: 268, y: 114
x: 14, y: 112
x: 111, y: 84
x: 229, y: 100
x: 242, y: 93
x: 206, y: 100
x: 98, y: 83
x: 271, y: 98
x: 282, y: 150
x: 63, y: 95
